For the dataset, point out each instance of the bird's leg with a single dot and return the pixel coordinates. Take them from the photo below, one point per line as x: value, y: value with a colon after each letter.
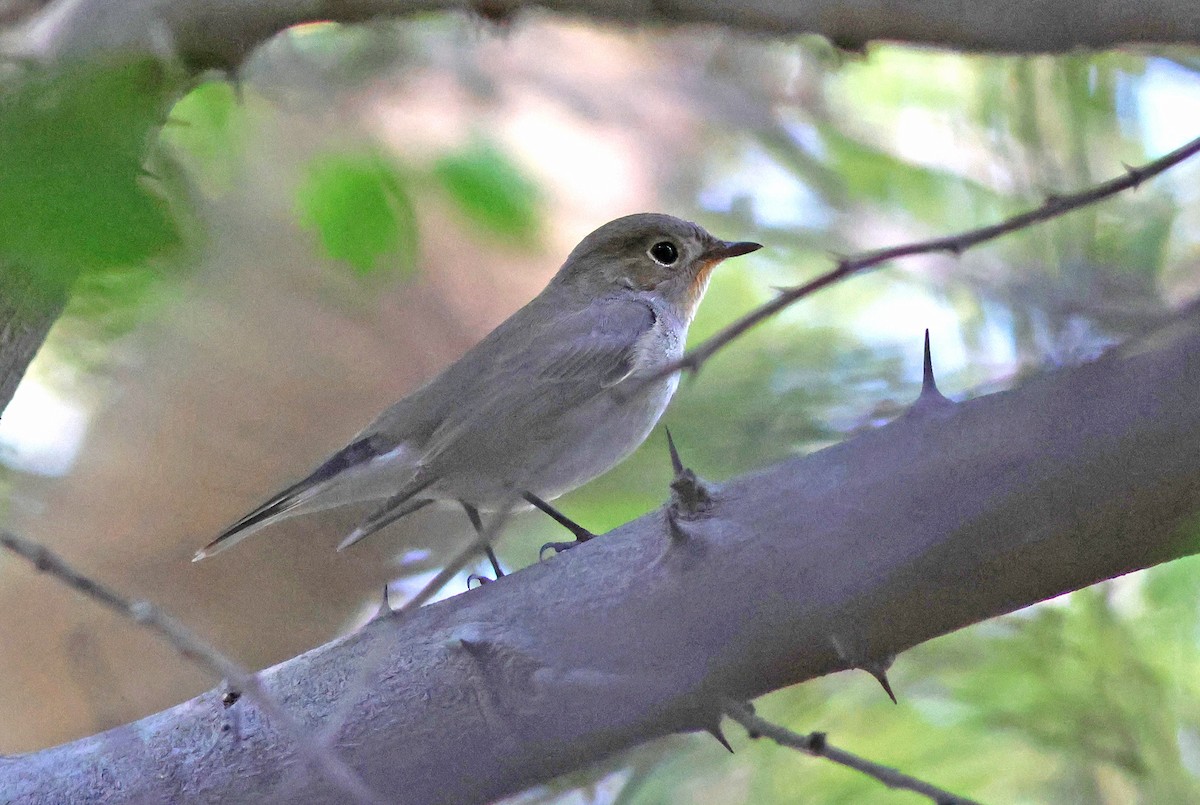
x: 477, y: 524
x: 581, y: 533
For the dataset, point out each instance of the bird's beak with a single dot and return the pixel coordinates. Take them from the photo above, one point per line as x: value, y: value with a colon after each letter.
x: 724, y: 249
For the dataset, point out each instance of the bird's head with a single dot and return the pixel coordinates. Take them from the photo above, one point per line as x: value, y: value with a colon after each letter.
x: 650, y: 252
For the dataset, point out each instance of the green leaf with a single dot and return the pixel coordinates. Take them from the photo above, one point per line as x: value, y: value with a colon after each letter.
x: 73, y: 195
x: 206, y: 131
x: 491, y: 190
x: 361, y: 211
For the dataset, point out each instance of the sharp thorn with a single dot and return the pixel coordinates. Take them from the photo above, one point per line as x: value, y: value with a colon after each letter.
x: 928, y: 382
x: 676, y: 464
x: 930, y: 398
x: 881, y: 676
x: 385, y: 605
x: 715, y: 731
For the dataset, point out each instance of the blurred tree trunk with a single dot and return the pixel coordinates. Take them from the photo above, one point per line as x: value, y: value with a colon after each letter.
x: 27, y: 311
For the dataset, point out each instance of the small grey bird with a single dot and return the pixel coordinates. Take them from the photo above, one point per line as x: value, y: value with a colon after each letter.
x: 553, y: 397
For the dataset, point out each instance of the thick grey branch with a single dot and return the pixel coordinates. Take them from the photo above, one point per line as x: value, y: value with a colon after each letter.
x: 843, y: 558
x: 222, y: 32
x: 145, y: 614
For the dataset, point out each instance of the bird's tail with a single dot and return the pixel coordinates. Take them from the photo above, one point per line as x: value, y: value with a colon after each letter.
x: 349, y: 476
x: 277, y: 508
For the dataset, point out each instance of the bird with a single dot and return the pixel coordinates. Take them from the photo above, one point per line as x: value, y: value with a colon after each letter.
x: 559, y: 393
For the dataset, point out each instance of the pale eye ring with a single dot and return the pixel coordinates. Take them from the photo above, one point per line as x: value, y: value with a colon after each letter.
x: 664, y: 253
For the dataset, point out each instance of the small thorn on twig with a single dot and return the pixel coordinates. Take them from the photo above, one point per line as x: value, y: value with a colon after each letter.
x: 230, y: 697
x: 1134, y: 174
x: 1052, y: 200
x: 954, y: 248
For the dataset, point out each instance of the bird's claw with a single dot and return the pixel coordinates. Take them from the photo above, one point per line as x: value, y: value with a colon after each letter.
x: 476, y: 577
x: 557, y: 547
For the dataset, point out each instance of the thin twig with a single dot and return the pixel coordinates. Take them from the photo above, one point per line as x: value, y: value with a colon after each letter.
x: 147, y: 615
x: 815, y: 744
x: 1054, y: 206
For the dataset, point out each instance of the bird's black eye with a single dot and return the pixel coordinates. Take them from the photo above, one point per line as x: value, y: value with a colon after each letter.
x: 664, y: 252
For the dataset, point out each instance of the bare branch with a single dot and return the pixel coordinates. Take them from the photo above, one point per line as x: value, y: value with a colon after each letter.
x: 816, y: 745
x: 1053, y: 207
x: 206, y: 34
x: 193, y: 648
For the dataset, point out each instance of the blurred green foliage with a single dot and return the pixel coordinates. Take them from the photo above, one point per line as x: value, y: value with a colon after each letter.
x: 206, y: 133
x: 74, y: 195
x: 490, y: 190
x: 359, y: 204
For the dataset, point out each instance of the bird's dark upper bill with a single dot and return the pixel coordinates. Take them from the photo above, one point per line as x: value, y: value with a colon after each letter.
x: 725, y: 249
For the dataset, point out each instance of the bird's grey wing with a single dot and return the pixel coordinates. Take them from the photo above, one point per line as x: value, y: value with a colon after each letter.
x: 567, y: 360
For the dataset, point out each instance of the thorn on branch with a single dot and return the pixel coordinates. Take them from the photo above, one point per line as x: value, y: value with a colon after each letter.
x: 385, y: 610
x: 1135, y: 175
x: 715, y: 731
x: 856, y: 656
x: 930, y: 398
x: 690, y: 494
x: 230, y: 697
x: 676, y: 462
x: 881, y: 677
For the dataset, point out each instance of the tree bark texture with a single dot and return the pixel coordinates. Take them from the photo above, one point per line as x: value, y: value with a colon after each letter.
x: 27, y: 311
x: 222, y: 32
x: 949, y: 515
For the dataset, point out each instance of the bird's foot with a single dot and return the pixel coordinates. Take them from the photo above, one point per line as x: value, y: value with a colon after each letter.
x: 559, y: 547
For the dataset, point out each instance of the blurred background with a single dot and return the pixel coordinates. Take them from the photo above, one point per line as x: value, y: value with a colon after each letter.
x: 365, y: 203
